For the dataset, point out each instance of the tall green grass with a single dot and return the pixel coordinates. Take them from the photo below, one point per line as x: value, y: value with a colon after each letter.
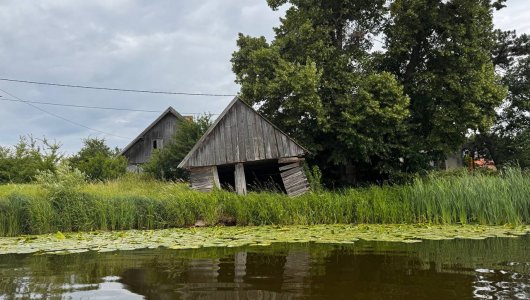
x: 135, y: 203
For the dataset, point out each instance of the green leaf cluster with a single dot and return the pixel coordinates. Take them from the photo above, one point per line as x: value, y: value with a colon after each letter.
x: 98, y: 161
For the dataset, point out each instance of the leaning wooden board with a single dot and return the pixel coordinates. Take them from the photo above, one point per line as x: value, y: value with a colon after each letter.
x: 294, y: 179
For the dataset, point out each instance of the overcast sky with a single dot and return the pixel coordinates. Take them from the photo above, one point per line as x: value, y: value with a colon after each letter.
x: 167, y: 45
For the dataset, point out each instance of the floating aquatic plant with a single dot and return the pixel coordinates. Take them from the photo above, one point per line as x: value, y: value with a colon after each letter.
x: 245, y: 236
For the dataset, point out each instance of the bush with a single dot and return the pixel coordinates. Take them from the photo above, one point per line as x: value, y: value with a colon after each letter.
x: 98, y: 161
x: 21, y: 163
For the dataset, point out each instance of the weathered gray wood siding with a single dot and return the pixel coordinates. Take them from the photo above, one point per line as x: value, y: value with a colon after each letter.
x: 294, y: 179
x: 242, y: 135
x: 203, y: 179
x: 141, y: 151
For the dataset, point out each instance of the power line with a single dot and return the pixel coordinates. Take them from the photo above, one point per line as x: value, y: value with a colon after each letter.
x: 81, y: 106
x: 94, y: 107
x: 116, y: 89
x: 63, y: 118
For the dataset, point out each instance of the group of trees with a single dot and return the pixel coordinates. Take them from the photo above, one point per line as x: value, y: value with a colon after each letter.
x: 440, y: 74
x: 31, y: 157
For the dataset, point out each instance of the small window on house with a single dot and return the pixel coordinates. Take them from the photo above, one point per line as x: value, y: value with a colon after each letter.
x: 158, y: 144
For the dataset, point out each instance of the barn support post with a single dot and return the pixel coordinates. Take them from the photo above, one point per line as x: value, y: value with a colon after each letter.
x: 216, y: 181
x: 240, y: 181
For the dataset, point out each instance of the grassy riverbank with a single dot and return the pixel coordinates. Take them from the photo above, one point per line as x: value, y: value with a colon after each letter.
x: 133, y: 203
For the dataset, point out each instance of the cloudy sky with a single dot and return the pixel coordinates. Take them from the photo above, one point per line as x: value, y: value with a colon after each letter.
x: 166, y: 45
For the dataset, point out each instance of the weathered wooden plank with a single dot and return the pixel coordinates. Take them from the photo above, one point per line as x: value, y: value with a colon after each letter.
x: 222, y: 155
x: 213, y: 147
x: 296, y: 187
x: 241, y: 132
x: 200, y: 177
x: 209, y: 152
x: 240, y: 181
x: 247, y: 131
x: 267, y: 141
x: 287, y: 160
x: 257, y: 140
x: 291, y: 171
x: 229, y: 151
x: 234, y: 133
x: 294, y: 179
x: 216, y: 181
x: 285, y: 141
x: 293, y: 148
x: 279, y: 143
x: 199, y: 170
x: 256, y: 136
x: 290, y: 166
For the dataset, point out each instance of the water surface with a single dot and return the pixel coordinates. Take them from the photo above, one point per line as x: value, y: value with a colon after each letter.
x: 495, y: 268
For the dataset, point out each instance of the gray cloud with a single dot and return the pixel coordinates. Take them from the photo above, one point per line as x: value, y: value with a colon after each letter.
x: 158, y: 45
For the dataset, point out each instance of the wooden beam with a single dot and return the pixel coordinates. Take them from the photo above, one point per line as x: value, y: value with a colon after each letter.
x: 216, y: 181
x: 240, y: 181
x: 288, y: 167
x: 288, y: 160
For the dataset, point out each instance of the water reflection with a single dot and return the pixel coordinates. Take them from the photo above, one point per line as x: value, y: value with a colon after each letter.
x: 458, y: 269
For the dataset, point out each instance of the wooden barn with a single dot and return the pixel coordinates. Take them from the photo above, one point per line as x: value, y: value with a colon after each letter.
x: 241, y: 150
x: 153, y: 137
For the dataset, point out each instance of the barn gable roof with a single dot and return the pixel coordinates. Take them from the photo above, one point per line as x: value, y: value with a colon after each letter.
x: 241, y: 134
x: 169, y: 111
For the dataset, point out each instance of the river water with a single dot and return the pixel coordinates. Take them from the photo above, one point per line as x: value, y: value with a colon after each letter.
x: 495, y: 268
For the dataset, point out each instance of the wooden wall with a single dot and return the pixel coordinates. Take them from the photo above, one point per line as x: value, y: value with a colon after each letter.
x: 241, y: 135
x: 141, y: 151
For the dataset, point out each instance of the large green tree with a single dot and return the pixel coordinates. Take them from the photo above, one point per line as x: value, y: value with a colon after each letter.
x: 316, y: 81
x: 441, y: 53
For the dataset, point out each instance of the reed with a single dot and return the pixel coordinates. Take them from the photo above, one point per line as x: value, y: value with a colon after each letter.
x: 139, y: 203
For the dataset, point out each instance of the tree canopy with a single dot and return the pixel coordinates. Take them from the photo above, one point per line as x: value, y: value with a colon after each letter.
x: 371, y: 115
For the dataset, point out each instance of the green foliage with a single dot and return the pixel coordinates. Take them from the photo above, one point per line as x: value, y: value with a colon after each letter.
x: 67, y: 204
x: 98, y: 161
x: 375, y: 116
x: 315, y: 80
x: 163, y: 163
x: 441, y: 52
x: 21, y: 163
x: 508, y: 141
x: 314, y: 177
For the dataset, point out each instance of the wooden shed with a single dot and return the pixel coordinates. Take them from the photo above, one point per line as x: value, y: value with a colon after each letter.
x: 158, y: 133
x: 243, y: 149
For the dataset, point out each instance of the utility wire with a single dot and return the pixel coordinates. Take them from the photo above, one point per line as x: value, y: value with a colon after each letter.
x: 116, y: 89
x: 81, y: 106
x: 63, y: 118
x: 95, y: 107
